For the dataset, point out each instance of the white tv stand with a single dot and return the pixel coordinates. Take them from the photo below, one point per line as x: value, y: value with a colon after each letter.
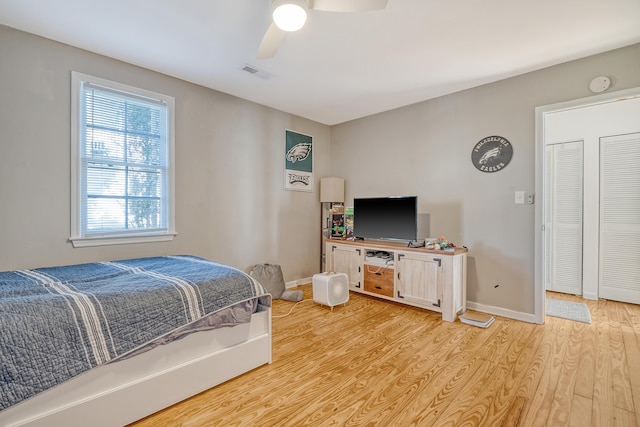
x: 435, y: 280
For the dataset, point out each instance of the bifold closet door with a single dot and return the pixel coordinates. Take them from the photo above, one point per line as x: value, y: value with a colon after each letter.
x: 563, y: 207
x: 620, y: 218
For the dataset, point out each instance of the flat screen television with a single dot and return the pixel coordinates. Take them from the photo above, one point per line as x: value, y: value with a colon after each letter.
x: 386, y: 218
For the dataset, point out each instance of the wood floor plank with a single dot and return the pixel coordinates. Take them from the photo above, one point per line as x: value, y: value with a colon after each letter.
x: 602, y: 385
x: 586, y: 366
x: 536, y: 369
x: 580, y: 411
x: 444, y: 376
x: 624, y: 418
x: 408, y: 377
x: 560, y: 411
x: 511, y: 403
x: 540, y: 407
x: 467, y: 383
x: 632, y: 352
x: 492, y: 407
x: 362, y: 366
x: 376, y: 362
x: 514, y: 414
x: 620, y: 379
x: 382, y: 367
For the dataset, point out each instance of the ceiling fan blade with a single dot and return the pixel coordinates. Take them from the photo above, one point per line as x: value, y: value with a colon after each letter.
x: 348, y: 5
x: 270, y: 42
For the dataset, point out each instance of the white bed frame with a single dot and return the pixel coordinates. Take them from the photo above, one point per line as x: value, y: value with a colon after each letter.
x: 123, y: 392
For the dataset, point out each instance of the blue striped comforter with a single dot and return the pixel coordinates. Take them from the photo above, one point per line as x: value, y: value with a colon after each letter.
x: 58, y: 322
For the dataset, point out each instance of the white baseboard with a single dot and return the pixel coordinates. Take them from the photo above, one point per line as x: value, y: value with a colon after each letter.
x: 489, y: 309
x: 298, y: 282
x: 503, y: 312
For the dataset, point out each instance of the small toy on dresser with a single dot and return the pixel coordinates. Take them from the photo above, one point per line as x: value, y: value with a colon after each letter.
x: 440, y: 244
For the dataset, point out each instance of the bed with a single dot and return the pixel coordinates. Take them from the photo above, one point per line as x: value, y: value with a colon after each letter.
x: 105, y: 344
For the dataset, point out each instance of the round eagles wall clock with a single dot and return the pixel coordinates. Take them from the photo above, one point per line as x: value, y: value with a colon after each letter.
x: 491, y: 154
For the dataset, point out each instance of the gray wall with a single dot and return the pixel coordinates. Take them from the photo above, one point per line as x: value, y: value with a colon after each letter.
x: 231, y: 205
x: 230, y: 202
x: 425, y: 150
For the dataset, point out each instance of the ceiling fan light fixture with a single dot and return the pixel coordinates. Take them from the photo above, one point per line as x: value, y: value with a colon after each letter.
x: 290, y: 15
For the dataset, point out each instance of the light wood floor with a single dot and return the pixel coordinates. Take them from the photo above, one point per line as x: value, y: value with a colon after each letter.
x: 374, y: 362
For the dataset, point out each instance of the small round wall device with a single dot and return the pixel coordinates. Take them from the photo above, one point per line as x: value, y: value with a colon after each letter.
x: 599, y: 84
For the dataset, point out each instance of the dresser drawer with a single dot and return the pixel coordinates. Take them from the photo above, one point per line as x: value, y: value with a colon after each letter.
x: 378, y: 279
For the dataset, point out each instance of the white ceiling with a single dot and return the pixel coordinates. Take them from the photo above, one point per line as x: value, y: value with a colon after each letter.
x: 340, y: 66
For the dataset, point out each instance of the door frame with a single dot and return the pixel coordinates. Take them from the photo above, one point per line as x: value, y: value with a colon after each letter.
x: 541, y: 112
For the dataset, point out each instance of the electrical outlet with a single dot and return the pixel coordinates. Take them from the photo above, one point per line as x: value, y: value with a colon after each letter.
x: 530, y: 198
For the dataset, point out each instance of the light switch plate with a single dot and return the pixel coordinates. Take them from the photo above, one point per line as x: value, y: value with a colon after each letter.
x: 519, y: 197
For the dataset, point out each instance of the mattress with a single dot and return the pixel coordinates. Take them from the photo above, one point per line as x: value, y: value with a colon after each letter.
x: 59, y: 322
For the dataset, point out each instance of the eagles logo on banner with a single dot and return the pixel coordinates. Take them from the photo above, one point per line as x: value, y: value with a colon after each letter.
x: 298, y: 161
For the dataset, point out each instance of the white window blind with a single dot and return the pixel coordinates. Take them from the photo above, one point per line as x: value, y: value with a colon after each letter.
x: 123, y: 159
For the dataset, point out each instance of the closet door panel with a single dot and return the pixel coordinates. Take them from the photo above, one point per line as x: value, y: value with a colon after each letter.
x: 620, y: 218
x: 563, y: 216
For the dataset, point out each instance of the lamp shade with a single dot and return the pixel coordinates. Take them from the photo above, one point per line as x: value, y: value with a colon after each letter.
x: 332, y: 189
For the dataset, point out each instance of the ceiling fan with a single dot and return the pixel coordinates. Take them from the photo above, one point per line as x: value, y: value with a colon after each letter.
x: 290, y: 15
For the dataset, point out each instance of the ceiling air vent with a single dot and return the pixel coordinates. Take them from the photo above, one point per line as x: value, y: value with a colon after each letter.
x: 256, y: 72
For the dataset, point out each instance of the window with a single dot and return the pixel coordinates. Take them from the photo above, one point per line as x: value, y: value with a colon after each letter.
x: 122, y: 154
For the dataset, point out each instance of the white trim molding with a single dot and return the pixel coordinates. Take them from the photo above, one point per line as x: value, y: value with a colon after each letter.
x: 502, y: 312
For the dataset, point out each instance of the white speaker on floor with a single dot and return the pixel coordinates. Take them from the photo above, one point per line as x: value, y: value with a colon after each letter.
x: 330, y: 288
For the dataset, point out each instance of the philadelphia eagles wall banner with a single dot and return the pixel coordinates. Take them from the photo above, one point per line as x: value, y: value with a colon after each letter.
x: 298, y: 161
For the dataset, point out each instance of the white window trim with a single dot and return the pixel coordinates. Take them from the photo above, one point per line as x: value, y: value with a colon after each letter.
x: 76, y: 237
